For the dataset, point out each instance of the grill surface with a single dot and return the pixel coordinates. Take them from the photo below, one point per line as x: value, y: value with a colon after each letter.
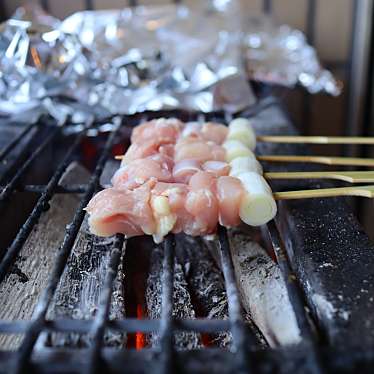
x: 299, y: 266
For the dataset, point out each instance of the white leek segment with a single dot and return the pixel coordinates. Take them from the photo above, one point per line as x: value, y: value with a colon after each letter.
x: 165, y: 220
x: 257, y: 205
x: 241, y: 129
x: 242, y: 165
x: 235, y: 149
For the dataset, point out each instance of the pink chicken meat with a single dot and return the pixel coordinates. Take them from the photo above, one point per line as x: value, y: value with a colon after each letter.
x: 172, y: 172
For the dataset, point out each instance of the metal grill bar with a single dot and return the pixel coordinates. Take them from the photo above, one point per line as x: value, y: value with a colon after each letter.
x: 166, y: 323
x: 16, y: 141
x: 37, y: 188
x: 98, y: 327
x: 9, y: 188
x: 42, y: 203
x: 290, y: 279
x: 22, y: 359
x: 296, y: 299
x: 128, y: 325
x: 238, y: 329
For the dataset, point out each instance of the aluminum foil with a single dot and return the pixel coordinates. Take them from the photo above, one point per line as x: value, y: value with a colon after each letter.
x: 281, y: 55
x: 143, y: 58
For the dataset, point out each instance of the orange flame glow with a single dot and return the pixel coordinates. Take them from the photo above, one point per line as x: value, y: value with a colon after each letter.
x: 139, y: 336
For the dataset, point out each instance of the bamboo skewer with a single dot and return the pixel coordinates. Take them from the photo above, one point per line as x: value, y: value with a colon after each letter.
x: 349, y: 161
x: 316, y: 139
x: 319, y: 160
x: 347, y: 176
x: 363, y: 191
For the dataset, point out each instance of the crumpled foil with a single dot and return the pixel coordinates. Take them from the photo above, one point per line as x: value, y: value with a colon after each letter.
x: 281, y: 55
x: 142, y: 58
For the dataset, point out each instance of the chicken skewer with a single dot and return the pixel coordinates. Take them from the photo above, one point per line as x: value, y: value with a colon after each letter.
x: 242, y: 130
x: 361, y: 191
x: 326, y: 160
x: 316, y: 139
x: 346, y: 176
x: 178, y: 177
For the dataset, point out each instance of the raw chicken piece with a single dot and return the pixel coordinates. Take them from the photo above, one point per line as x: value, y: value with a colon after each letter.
x: 137, y: 172
x: 115, y: 211
x: 217, y: 168
x: 193, y: 149
x: 162, y: 131
x: 229, y: 194
x: 202, y: 203
x: 167, y: 150
x: 136, y: 151
x: 214, y: 132
x: 185, y: 169
x: 209, y: 131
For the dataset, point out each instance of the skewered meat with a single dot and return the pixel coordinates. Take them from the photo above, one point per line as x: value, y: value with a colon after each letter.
x: 137, y: 172
x: 229, y: 193
x: 161, y: 131
x: 184, y: 178
x: 185, y: 169
x: 115, y: 211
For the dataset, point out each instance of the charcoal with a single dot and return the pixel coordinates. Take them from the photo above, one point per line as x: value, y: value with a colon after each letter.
x: 205, y: 282
x: 331, y: 255
x: 182, y: 307
x: 20, y: 290
x: 263, y: 291
x: 78, y: 293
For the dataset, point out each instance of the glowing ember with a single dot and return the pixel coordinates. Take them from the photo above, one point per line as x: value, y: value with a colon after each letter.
x: 206, y: 339
x: 139, y: 336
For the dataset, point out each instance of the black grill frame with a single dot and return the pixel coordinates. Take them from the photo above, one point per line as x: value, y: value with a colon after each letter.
x: 244, y: 357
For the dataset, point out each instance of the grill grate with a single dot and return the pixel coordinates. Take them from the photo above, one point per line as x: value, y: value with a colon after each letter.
x: 244, y: 358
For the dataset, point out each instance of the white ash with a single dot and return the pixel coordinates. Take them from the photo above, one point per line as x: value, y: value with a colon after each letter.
x: 80, y: 287
x: 182, y: 306
x: 21, y: 289
x: 205, y: 282
x: 263, y: 291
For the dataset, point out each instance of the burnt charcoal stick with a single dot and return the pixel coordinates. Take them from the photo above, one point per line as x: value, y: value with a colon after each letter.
x: 21, y: 288
x: 263, y: 291
x: 329, y: 251
x: 182, y: 301
x: 78, y: 293
x: 205, y: 282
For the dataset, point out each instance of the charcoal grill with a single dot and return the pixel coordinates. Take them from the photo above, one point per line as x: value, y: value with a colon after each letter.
x: 305, y: 236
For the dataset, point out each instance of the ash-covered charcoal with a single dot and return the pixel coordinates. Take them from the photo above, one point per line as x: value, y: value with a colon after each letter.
x: 264, y: 293
x: 21, y: 289
x: 182, y: 307
x: 78, y: 293
x: 205, y: 281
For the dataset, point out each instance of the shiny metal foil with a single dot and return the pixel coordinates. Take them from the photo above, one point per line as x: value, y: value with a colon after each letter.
x: 281, y: 55
x: 146, y: 58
